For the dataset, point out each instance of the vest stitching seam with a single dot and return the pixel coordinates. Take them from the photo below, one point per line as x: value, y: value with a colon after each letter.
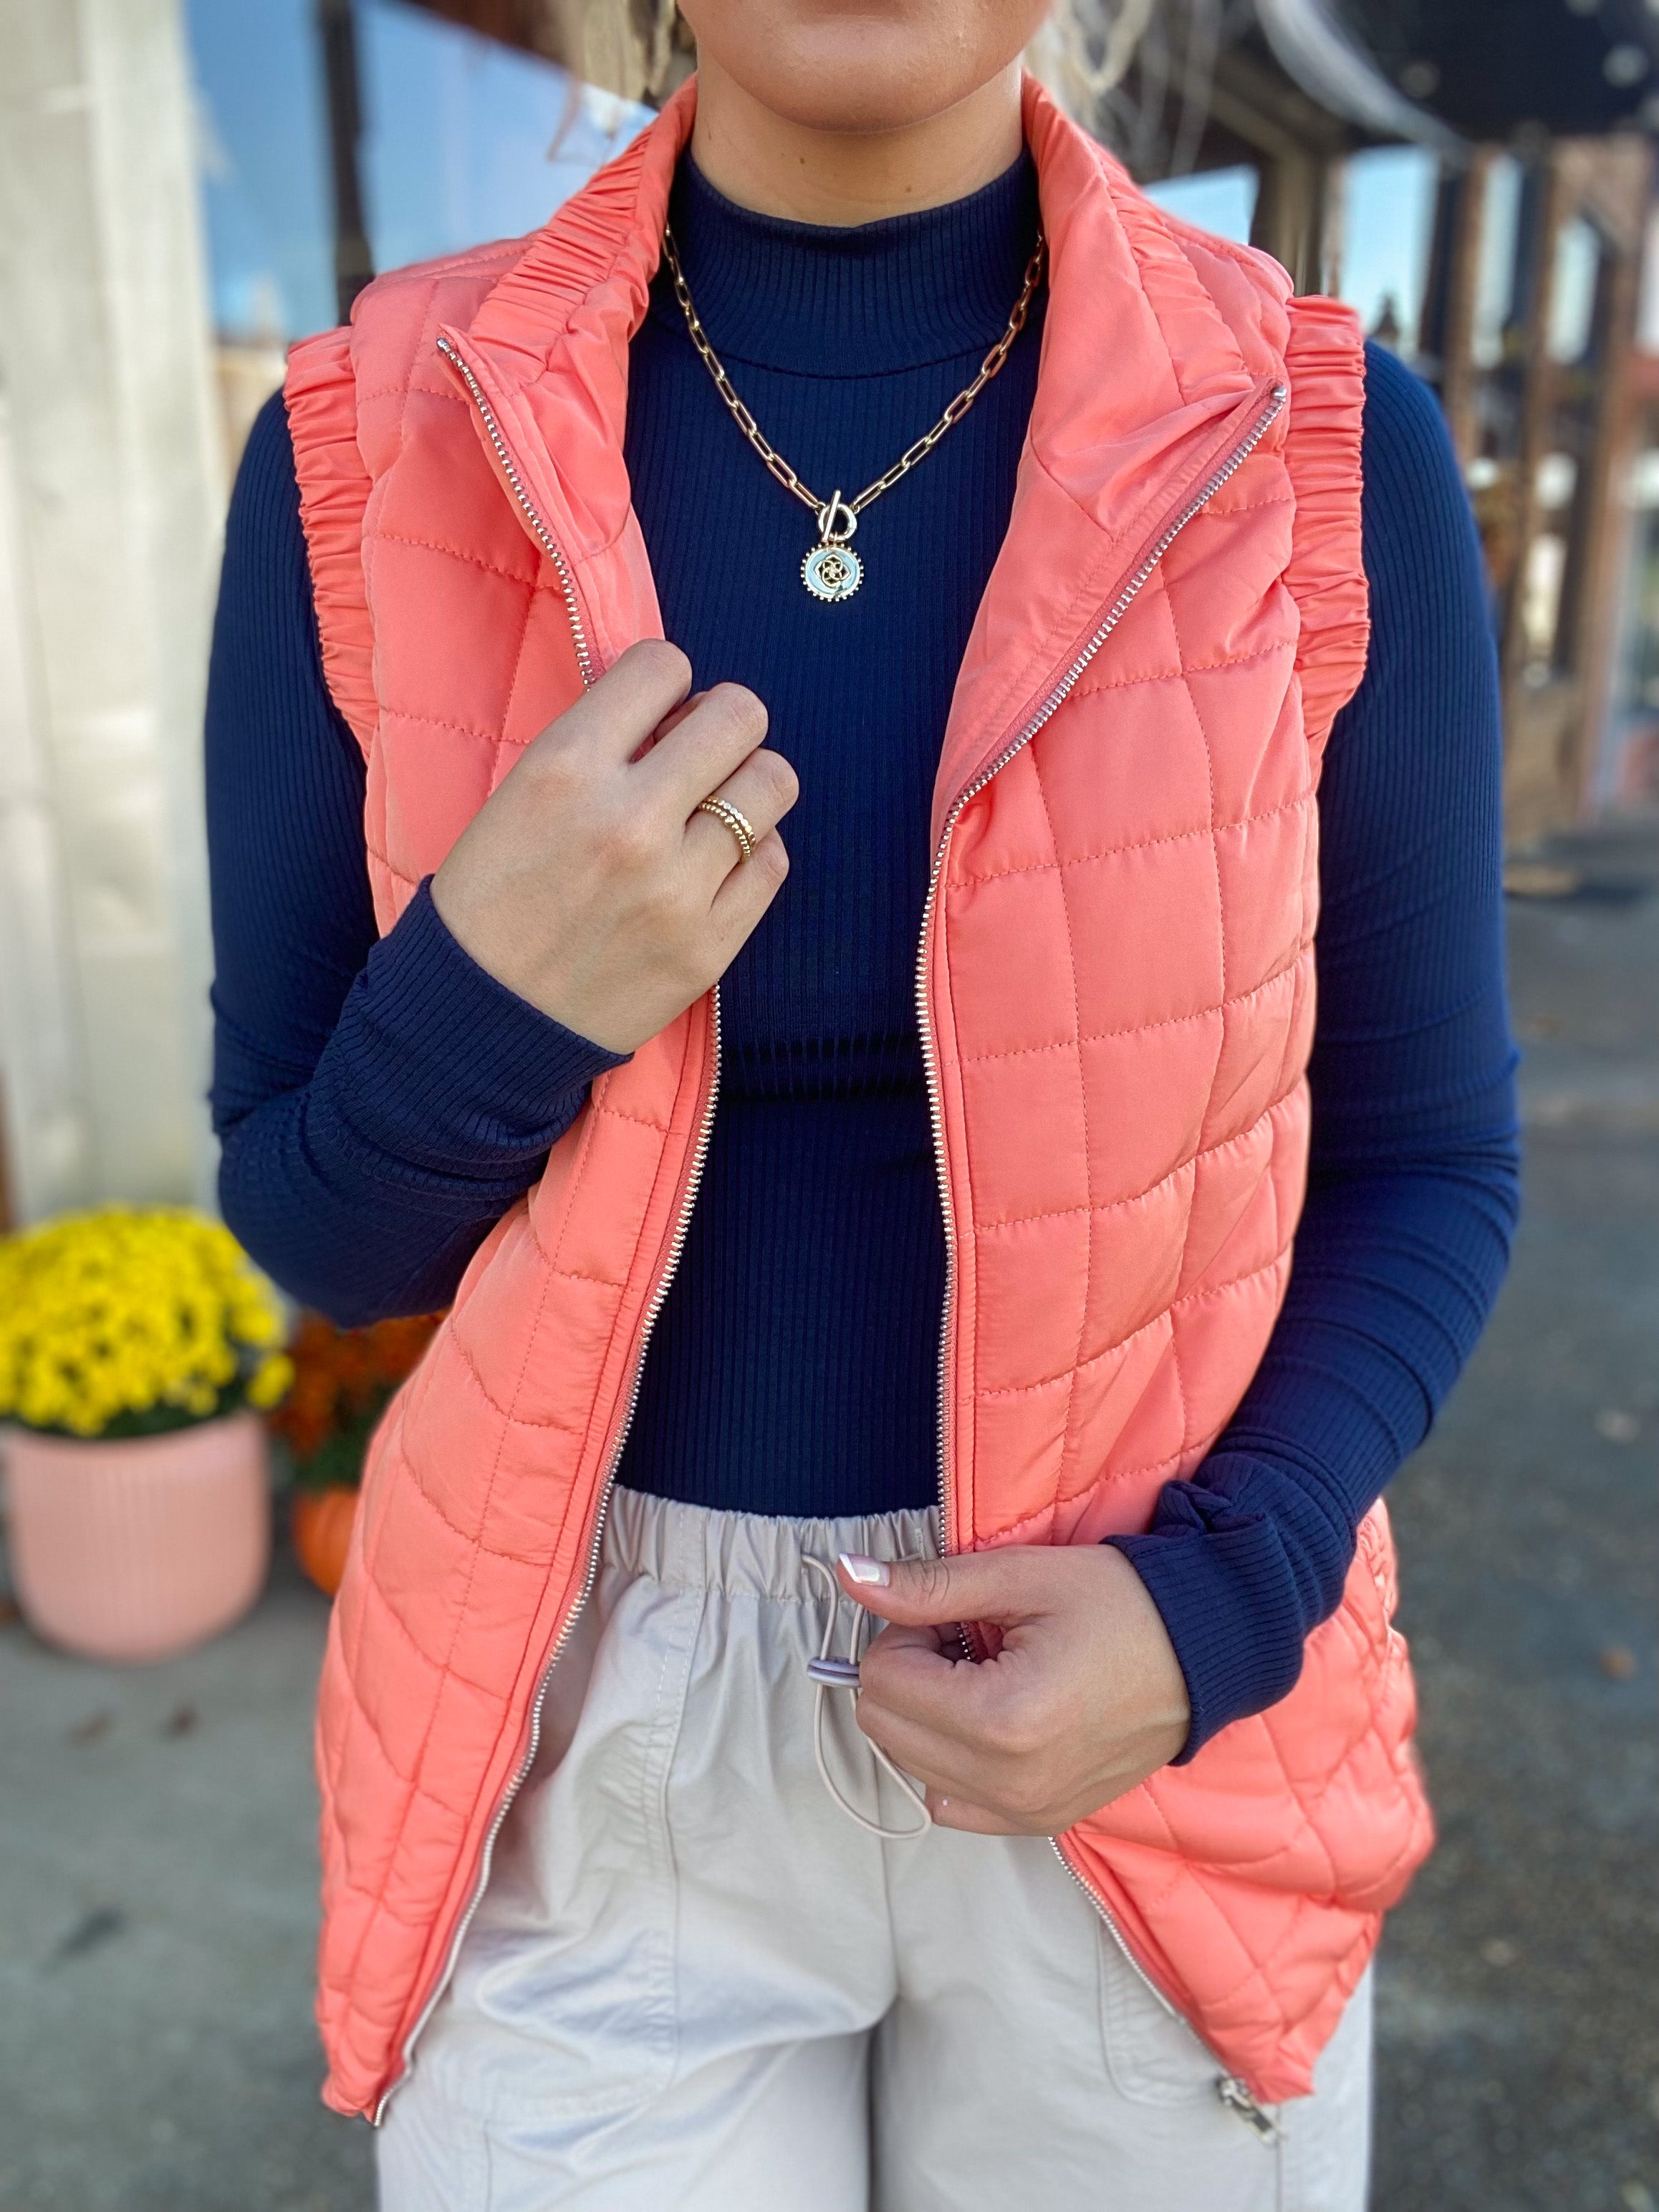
x: 1250, y: 260
x: 1188, y: 1298
x: 586, y: 1141
x: 510, y: 1421
x: 1307, y: 1826
x: 352, y: 1657
x: 501, y: 253
x: 426, y: 331
x: 401, y: 392
x: 1255, y: 1972
x: 1303, y: 1903
x: 461, y: 1610
x: 425, y: 1657
x: 1177, y: 1867
x: 1187, y: 1437
x: 371, y: 1730
x: 1008, y: 1529
x: 1106, y: 1205
x: 457, y: 553
x: 1127, y: 230
x: 469, y: 1363
x: 1221, y: 1047
x: 498, y: 740
x: 1139, y: 1197
x: 1164, y: 1022
x: 970, y: 1517
x: 1137, y: 844
x: 1088, y: 1149
x: 639, y: 1120
x: 1219, y: 512
x: 1308, y: 932
x: 404, y: 390
x: 1085, y: 689
x: 443, y: 722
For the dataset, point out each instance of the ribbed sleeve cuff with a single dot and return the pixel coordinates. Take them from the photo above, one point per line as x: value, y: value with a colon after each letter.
x: 1228, y: 1595
x: 453, y: 1070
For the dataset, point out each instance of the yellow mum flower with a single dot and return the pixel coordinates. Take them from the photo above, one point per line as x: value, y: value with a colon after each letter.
x: 133, y: 1316
x: 270, y: 1381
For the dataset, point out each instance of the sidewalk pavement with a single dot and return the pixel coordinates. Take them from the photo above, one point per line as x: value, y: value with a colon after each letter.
x: 156, y: 1857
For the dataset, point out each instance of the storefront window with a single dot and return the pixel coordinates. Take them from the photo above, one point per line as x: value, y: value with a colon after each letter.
x: 1219, y: 200
x: 1386, y: 226
x: 1495, y: 268
x: 463, y: 139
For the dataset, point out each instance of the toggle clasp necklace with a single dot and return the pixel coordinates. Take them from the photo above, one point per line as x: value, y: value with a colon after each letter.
x: 832, y: 571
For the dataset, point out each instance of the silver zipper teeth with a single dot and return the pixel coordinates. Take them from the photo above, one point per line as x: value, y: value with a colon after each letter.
x: 677, y: 1246
x: 1233, y: 2093
x: 585, y: 660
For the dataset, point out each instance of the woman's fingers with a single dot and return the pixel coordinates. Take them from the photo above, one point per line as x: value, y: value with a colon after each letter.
x: 615, y: 715
x: 671, y: 721
x: 963, y: 1812
x: 747, y: 891
x: 993, y: 1794
x: 763, y: 790
x: 695, y: 754
x: 921, y: 1751
x: 913, y: 1673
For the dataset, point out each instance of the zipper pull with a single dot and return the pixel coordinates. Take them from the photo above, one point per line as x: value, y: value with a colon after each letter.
x: 1236, y: 2096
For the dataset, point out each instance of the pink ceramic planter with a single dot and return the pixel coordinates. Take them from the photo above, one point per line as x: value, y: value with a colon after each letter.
x: 136, y: 1549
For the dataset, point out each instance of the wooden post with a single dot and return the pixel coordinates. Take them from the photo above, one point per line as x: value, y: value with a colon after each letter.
x: 354, y: 258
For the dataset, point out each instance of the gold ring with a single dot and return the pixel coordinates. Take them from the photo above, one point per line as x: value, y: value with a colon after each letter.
x: 739, y: 823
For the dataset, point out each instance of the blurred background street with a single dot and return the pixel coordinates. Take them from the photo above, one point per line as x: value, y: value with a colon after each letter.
x: 186, y: 187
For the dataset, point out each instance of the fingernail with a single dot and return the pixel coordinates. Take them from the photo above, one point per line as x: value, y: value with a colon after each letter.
x: 876, y: 1574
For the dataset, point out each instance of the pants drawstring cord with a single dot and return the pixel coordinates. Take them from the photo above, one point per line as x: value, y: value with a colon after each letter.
x: 829, y: 1674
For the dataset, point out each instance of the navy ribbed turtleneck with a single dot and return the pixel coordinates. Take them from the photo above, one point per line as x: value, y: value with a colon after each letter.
x: 380, y: 1105
x: 794, y: 1367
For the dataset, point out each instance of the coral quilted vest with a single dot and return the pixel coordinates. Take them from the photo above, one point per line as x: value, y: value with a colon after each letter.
x: 1117, y: 988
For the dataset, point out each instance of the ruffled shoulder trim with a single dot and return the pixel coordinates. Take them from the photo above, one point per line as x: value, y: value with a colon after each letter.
x: 320, y: 394
x: 610, y: 234
x: 1325, y: 364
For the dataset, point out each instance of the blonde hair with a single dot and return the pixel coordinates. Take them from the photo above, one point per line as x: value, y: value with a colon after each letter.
x: 640, y: 49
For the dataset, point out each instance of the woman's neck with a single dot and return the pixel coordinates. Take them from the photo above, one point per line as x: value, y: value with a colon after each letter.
x: 842, y: 299
x: 764, y: 160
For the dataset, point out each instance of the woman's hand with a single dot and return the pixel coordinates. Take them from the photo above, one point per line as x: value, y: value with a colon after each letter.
x: 587, y: 883
x: 1084, y: 1699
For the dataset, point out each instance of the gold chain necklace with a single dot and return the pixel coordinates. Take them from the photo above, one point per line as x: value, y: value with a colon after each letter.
x: 832, y: 570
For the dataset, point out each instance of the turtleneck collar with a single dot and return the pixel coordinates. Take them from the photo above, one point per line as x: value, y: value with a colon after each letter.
x: 866, y: 301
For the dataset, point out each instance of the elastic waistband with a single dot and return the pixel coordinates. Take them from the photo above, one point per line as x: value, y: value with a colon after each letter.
x: 751, y: 1554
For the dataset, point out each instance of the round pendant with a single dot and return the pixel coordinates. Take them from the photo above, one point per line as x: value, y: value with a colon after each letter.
x: 832, y: 572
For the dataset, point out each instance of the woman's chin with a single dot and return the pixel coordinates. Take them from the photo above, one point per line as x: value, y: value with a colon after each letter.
x: 858, y: 70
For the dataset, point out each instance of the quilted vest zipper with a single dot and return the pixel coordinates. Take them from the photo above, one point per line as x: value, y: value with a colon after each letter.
x: 1232, y: 2091
x: 654, y: 1306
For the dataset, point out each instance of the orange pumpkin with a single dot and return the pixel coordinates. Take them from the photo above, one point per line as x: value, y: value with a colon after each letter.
x: 321, y: 1523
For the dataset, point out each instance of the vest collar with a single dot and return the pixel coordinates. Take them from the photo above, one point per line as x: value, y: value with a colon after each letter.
x: 1142, y: 381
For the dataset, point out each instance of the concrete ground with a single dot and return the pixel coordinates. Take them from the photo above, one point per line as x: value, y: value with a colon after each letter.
x: 1519, y: 2026
x: 156, y: 1827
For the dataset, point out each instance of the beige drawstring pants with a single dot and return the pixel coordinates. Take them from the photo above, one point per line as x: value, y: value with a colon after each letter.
x: 694, y: 1984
